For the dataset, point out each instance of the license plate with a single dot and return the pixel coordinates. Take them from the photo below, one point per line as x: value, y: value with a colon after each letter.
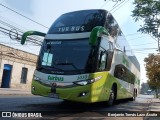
x: 53, y: 95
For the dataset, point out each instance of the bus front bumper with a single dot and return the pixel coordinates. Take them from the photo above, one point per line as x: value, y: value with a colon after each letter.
x: 87, y: 94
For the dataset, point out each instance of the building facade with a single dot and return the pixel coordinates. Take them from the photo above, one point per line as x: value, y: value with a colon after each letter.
x: 16, y: 68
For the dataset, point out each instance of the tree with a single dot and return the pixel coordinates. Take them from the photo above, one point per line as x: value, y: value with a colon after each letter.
x: 153, y: 71
x: 149, y: 12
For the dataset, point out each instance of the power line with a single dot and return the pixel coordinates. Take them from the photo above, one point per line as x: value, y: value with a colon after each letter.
x: 133, y: 38
x: 120, y: 6
x: 142, y: 49
x: 11, y: 26
x: 109, y: 1
x: 133, y: 34
x: 23, y: 16
x: 17, y: 29
x: 4, y: 32
x: 153, y: 38
x: 13, y: 23
x: 116, y: 6
x: 116, y: 0
x: 30, y: 39
x: 5, y: 23
x: 144, y: 44
x: 104, y: 4
x: 140, y: 52
x: 136, y: 38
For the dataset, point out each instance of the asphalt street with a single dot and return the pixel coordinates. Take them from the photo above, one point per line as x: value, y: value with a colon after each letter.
x: 50, y: 107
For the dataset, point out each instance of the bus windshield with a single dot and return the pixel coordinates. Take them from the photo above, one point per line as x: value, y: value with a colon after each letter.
x: 64, y: 56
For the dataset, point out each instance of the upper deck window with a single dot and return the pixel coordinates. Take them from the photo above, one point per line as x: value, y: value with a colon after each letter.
x: 78, y: 21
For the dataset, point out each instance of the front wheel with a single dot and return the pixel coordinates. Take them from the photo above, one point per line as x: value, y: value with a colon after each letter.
x: 111, y: 97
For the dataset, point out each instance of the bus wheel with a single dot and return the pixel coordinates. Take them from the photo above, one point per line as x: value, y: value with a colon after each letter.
x: 134, y: 97
x: 111, y: 97
x: 66, y: 102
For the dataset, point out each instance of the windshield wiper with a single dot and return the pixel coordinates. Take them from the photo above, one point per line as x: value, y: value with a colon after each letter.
x: 69, y: 64
x: 40, y: 68
x: 49, y: 68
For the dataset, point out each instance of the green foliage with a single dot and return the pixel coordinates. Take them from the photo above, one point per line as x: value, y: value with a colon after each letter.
x: 153, y: 70
x: 149, y: 12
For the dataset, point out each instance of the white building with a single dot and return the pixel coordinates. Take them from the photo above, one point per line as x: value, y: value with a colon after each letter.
x: 16, y: 68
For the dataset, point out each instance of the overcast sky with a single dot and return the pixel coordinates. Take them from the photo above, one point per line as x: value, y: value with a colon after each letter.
x: 46, y: 11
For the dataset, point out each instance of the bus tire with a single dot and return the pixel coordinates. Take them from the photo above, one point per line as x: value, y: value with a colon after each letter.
x: 66, y: 102
x: 111, y: 97
x: 134, y: 96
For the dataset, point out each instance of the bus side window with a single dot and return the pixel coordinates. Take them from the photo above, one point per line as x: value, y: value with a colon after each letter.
x: 121, y: 72
x: 111, y: 25
x: 109, y: 59
x: 109, y: 56
x: 102, y: 60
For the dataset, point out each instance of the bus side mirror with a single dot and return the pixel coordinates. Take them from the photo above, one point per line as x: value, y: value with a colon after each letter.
x: 95, y: 33
x: 28, y: 33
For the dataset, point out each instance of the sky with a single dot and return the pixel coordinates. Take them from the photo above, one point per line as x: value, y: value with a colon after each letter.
x: 46, y: 12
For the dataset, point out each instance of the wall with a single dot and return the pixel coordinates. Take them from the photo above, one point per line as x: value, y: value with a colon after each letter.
x: 17, y: 59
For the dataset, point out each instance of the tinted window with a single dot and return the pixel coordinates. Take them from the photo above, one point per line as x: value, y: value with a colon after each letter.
x: 121, y: 72
x: 78, y: 21
x: 102, y: 59
x: 111, y: 25
x: 65, y: 56
x: 105, y: 55
x: 123, y: 44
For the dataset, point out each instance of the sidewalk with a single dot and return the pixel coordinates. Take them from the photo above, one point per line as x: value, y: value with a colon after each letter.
x: 154, y: 109
x: 155, y: 105
x: 14, y: 91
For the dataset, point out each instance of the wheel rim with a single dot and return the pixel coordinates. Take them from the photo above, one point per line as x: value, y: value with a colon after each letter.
x: 112, y: 95
x: 111, y: 99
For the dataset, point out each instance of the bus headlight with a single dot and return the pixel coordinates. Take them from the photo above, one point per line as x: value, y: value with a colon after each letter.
x: 86, y: 82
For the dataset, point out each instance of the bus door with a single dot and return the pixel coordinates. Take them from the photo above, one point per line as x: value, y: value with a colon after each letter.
x: 6, y: 76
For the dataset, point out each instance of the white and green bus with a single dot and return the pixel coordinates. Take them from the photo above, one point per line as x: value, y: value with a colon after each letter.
x: 85, y: 58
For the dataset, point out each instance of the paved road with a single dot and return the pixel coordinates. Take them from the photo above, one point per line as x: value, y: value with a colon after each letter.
x: 58, y: 108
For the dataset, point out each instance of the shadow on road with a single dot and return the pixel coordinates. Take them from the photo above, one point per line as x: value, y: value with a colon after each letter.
x: 60, y: 108
x: 67, y: 108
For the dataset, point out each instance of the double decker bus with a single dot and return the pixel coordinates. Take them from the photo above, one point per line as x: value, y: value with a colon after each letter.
x: 85, y: 57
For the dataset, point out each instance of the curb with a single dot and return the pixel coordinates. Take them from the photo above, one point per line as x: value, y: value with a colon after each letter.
x: 11, y: 91
x: 15, y: 94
